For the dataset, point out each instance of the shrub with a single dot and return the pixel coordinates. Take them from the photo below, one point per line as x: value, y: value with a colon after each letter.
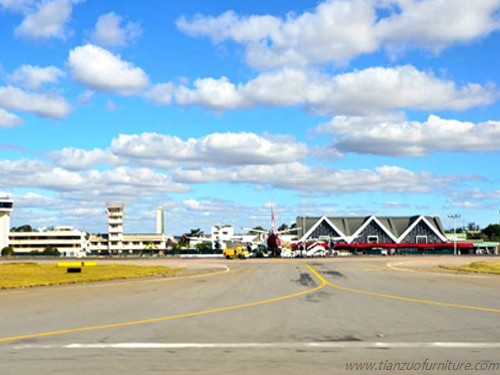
x: 7, y: 251
x: 50, y: 250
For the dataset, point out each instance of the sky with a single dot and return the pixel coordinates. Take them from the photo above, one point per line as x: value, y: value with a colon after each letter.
x: 214, y: 109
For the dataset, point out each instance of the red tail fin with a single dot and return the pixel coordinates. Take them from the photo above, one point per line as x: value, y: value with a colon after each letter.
x: 272, y: 214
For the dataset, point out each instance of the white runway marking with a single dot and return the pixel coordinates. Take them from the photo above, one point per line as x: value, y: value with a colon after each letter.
x: 296, y: 345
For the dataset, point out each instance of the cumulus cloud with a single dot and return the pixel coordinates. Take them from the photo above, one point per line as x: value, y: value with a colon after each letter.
x: 340, y: 30
x: 122, y: 181
x: 216, y: 148
x: 393, y: 135
x: 22, y: 6
x: 300, y: 177
x: 40, y: 104
x: 47, y: 20
x: 212, y: 205
x: 110, y: 32
x: 33, y: 77
x: 76, y: 159
x: 365, y: 91
x: 100, y: 70
x: 216, y: 94
x: 8, y: 120
x: 161, y: 94
x: 163, y: 151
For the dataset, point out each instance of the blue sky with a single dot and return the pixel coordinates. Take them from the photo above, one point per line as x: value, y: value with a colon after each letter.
x: 341, y: 107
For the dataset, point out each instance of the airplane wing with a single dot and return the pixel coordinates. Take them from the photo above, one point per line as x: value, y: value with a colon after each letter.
x: 255, y: 230
x: 288, y: 230
x: 199, y: 239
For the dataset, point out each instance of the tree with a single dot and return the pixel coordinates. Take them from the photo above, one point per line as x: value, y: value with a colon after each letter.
x: 183, y: 241
x: 472, y: 227
x: 51, y: 250
x: 194, y: 233
x: 23, y: 228
x: 282, y: 227
x: 149, y: 245
x: 203, y: 246
x: 7, y: 251
x: 492, y: 232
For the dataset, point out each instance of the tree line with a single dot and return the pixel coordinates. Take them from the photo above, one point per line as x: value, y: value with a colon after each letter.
x: 474, y: 232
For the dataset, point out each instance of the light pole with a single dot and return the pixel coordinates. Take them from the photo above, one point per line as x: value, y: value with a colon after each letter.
x: 454, y: 217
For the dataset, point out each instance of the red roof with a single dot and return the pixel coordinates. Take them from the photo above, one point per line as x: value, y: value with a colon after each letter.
x: 395, y: 245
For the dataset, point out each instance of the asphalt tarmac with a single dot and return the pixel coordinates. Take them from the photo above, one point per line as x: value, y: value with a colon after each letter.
x: 260, y: 316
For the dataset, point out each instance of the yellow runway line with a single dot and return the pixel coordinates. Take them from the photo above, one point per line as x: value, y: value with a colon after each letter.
x: 407, y: 299
x: 172, y: 317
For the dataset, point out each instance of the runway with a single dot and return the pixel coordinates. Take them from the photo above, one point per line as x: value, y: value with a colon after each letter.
x: 269, y: 316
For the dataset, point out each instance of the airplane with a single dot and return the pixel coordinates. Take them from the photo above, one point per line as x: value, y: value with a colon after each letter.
x: 273, y: 243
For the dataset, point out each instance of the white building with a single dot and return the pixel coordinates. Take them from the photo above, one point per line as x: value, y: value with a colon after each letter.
x: 222, y: 233
x: 116, y: 242
x: 6, y: 205
x: 132, y: 244
x: 67, y: 240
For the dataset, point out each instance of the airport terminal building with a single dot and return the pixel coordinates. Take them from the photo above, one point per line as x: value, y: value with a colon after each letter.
x: 374, y: 234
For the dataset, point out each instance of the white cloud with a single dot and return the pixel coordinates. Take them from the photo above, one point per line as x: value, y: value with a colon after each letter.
x: 121, y: 181
x: 33, y: 77
x: 299, y: 177
x: 76, y: 159
x: 370, y: 90
x: 40, y: 104
x: 167, y: 152
x: 216, y: 94
x: 8, y: 120
x: 110, y: 32
x: 100, y: 70
x: 22, y: 6
x: 476, y: 194
x: 161, y: 93
x: 85, y: 97
x: 434, y: 25
x: 211, y: 205
x: 47, y: 21
x: 340, y: 30
x: 215, y: 149
x: 396, y: 206
x: 393, y: 135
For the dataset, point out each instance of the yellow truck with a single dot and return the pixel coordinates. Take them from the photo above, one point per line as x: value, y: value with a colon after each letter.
x: 237, y: 253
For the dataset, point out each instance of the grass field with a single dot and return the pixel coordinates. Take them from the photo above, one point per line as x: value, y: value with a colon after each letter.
x: 477, y: 267
x: 22, y: 275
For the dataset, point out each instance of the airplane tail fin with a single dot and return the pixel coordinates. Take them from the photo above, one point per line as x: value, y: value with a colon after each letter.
x: 273, y: 224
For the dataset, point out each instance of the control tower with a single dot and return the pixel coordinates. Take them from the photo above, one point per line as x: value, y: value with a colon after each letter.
x: 6, y: 204
x: 115, y: 226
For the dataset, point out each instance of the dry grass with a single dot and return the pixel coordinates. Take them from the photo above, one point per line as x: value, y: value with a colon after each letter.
x: 23, y: 275
x: 477, y: 267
